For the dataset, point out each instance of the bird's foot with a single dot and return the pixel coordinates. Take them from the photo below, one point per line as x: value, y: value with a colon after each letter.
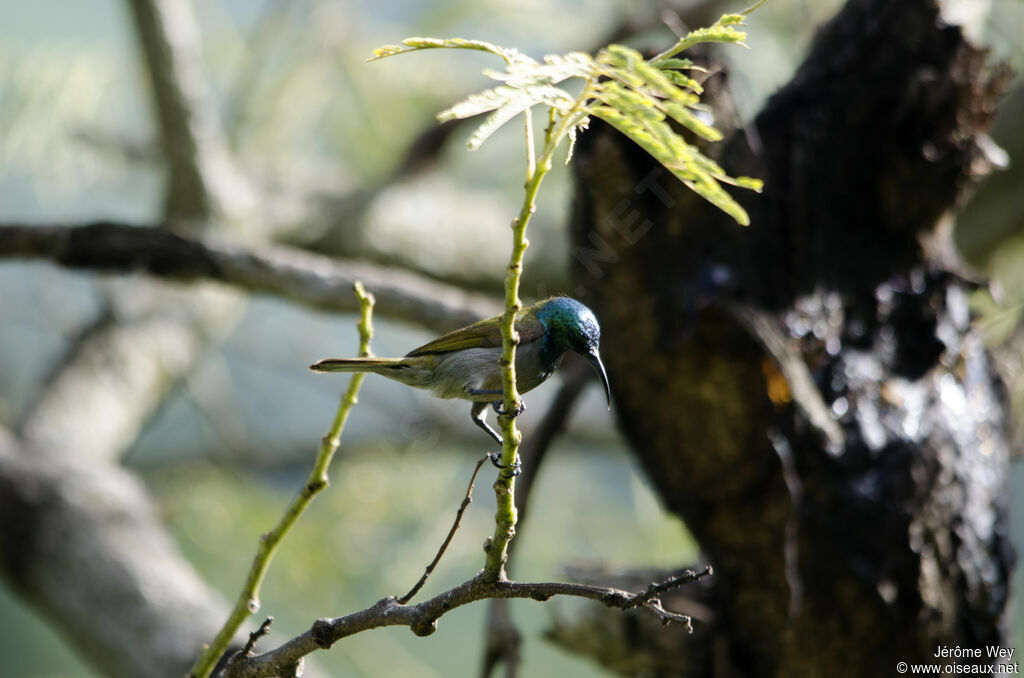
x: 500, y: 411
x: 514, y: 469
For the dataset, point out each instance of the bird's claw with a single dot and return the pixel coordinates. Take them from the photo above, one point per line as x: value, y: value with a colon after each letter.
x: 514, y: 469
x: 500, y: 411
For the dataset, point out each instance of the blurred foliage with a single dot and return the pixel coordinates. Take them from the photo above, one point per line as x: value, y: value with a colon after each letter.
x: 44, y: 93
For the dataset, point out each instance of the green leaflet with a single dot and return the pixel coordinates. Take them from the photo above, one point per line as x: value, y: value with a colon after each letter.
x: 691, y: 122
x: 695, y: 170
x: 686, y: 81
x: 679, y: 64
x: 416, y: 43
x: 750, y: 183
x: 641, y: 98
x: 573, y: 132
x: 506, y: 102
x: 555, y: 69
x: 660, y: 89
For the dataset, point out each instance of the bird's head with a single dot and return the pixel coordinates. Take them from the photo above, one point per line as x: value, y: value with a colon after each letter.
x: 571, y: 326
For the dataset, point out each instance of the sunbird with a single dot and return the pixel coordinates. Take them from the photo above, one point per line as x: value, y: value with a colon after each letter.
x: 464, y: 363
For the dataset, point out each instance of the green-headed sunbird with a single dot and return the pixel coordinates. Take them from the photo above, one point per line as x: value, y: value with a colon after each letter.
x: 464, y: 363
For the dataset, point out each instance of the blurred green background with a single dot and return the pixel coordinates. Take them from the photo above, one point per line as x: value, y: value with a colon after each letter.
x: 230, y: 447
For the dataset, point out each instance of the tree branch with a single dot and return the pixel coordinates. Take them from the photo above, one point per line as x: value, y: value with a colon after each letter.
x: 309, y: 279
x: 422, y: 618
x: 84, y: 544
x: 152, y: 336
x: 81, y: 533
x: 202, y: 178
x: 117, y: 373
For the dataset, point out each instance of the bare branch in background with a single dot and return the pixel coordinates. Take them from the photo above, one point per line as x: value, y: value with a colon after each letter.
x: 95, y: 540
x: 151, y: 337
x: 203, y: 179
x: 306, y: 278
x: 84, y: 543
x: 118, y: 372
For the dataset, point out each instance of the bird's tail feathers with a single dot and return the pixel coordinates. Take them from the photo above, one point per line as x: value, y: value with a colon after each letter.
x: 357, y: 364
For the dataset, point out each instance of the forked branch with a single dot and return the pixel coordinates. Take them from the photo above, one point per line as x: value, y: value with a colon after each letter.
x: 422, y: 618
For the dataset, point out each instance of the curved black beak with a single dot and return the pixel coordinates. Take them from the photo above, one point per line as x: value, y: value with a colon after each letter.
x: 595, y: 361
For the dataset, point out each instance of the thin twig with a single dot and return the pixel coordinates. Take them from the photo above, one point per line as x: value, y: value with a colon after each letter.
x: 669, y: 617
x: 422, y: 618
x: 674, y: 582
x: 250, y: 646
x: 248, y: 600
x: 451, y: 533
x: 263, y: 630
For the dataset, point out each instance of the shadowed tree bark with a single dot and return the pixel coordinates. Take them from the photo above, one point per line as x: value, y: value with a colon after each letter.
x: 807, y: 393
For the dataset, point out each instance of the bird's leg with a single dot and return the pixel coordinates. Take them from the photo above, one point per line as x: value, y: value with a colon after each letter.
x: 477, y: 413
x: 515, y: 467
x: 496, y: 405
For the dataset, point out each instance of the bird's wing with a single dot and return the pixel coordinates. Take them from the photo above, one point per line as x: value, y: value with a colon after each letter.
x: 482, y: 334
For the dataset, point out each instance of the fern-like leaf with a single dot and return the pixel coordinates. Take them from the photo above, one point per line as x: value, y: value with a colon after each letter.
x: 659, y: 90
x: 647, y: 128
x: 506, y: 102
x: 573, y: 132
x: 415, y: 44
x: 640, y: 98
x: 555, y: 69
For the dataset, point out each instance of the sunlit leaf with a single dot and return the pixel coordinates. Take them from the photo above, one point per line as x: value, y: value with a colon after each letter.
x: 417, y: 43
x: 506, y: 102
x: 679, y: 64
x: 721, y: 31
x: 685, y: 162
x: 555, y: 69
x: 574, y: 131
x: 475, y: 104
x: 646, y: 100
x: 387, y: 50
x: 690, y: 121
x: 750, y: 183
x: 682, y: 80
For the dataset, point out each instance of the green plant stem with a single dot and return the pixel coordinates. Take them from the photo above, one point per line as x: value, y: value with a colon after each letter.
x: 505, y: 515
x: 248, y: 602
x: 531, y: 153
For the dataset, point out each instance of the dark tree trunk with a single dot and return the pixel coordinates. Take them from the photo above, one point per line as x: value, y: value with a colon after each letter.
x: 807, y: 393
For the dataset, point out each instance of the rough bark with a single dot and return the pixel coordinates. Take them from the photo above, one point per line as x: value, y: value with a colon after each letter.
x: 834, y: 555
